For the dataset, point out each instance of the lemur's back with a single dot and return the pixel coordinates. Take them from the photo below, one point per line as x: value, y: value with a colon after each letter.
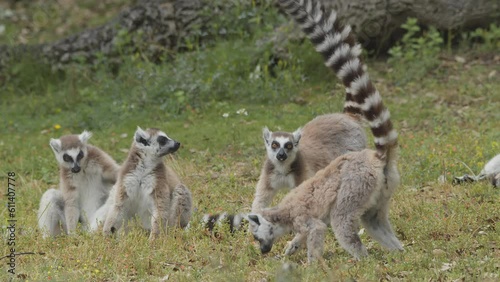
x: 328, y: 136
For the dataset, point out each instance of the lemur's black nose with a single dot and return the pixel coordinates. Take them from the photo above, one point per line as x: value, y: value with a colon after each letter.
x: 281, y: 155
x: 264, y: 249
x: 75, y: 169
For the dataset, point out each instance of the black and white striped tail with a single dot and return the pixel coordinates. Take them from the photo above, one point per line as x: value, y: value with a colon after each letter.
x: 234, y: 221
x: 342, y: 53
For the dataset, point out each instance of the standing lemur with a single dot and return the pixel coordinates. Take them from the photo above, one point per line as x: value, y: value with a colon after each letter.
x: 293, y: 157
x: 356, y: 186
x: 86, y: 175
x: 146, y: 187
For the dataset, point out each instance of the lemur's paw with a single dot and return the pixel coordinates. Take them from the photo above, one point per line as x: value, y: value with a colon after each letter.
x: 291, y: 248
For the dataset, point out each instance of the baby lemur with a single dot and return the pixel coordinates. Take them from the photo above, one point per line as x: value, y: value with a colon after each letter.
x: 86, y: 175
x: 148, y: 188
x: 356, y: 186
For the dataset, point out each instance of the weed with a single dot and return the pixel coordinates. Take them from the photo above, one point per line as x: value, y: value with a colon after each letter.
x: 487, y: 39
x: 417, y: 52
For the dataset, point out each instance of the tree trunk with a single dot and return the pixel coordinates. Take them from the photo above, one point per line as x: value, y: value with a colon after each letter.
x: 374, y: 21
x: 159, y: 26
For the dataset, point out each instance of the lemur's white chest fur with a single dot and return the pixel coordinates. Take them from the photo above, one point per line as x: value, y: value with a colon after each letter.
x: 92, y: 190
x: 139, y: 185
x: 282, y: 179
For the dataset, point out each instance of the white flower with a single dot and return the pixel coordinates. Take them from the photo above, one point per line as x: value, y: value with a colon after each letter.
x: 225, y: 115
x: 242, y: 112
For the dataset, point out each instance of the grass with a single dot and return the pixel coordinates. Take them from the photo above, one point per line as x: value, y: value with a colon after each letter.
x: 447, y: 120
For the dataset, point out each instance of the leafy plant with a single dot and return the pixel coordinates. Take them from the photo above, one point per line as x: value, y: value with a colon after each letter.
x: 416, y: 53
x: 489, y: 38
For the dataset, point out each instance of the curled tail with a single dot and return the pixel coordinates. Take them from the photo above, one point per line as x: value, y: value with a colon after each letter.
x: 342, y: 53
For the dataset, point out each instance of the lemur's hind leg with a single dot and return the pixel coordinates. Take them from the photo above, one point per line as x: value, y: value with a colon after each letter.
x: 181, y: 207
x: 114, y: 219
x: 159, y: 216
x: 71, y: 209
x: 344, y: 222
x: 51, y: 219
x: 376, y: 222
x: 297, y: 242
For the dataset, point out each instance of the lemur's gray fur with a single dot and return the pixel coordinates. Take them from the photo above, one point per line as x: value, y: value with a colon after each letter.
x: 86, y: 175
x: 491, y: 172
x: 295, y: 157
x: 146, y: 187
x: 356, y: 186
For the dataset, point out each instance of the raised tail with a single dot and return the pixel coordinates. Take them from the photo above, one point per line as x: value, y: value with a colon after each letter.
x: 341, y: 52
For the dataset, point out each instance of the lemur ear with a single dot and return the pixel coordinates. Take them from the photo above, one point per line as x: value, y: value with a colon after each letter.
x: 254, y: 218
x: 266, y: 134
x: 85, y: 136
x: 141, y: 136
x: 55, y: 144
x: 296, y: 135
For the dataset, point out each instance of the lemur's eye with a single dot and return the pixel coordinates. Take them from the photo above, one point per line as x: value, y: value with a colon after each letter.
x: 275, y: 145
x: 80, y: 156
x: 162, y: 140
x: 143, y: 141
x: 289, y: 145
x: 257, y: 239
x: 67, y: 158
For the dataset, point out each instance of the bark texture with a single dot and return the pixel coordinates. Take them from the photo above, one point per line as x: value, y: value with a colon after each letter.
x: 158, y: 25
x: 375, y: 21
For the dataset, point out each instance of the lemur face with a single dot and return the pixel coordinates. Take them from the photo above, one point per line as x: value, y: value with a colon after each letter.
x: 71, y: 150
x: 281, y: 146
x: 264, y: 232
x: 154, y: 142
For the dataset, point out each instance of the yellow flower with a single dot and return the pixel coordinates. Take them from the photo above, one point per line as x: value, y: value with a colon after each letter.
x: 57, y: 126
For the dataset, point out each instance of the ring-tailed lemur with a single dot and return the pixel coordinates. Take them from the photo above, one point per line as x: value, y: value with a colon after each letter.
x: 491, y: 172
x: 293, y: 157
x: 86, y: 175
x: 146, y: 187
x: 355, y: 186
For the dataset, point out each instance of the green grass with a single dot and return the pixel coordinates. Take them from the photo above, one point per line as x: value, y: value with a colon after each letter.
x: 448, y: 120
